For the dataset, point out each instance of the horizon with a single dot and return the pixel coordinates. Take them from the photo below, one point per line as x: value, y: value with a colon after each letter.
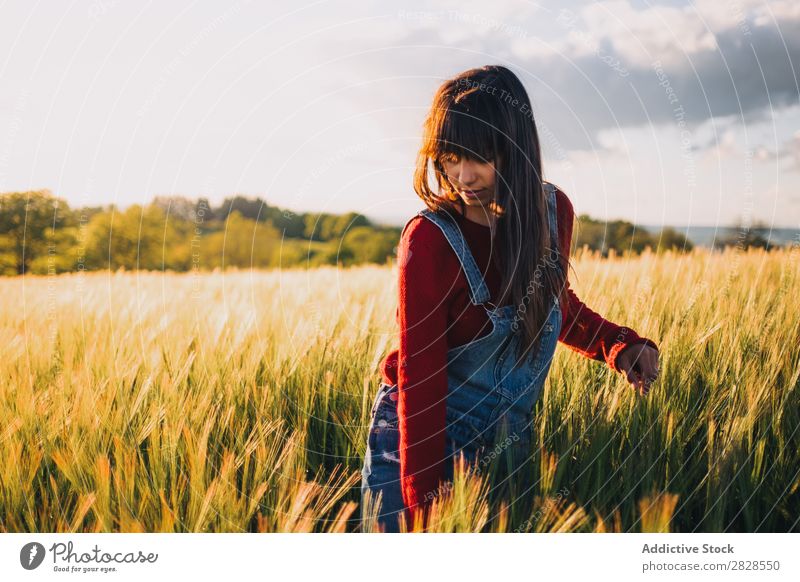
x: 400, y: 221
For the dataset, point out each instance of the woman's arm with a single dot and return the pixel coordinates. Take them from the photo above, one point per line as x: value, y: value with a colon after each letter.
x: 424, y: 278
x: 584, y: 330
x: 589, y: 334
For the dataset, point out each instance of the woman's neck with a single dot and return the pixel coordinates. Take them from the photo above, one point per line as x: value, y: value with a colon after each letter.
x: 480, y: 215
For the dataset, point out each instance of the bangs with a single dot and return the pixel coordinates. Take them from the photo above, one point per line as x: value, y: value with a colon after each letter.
x: 467, y: 130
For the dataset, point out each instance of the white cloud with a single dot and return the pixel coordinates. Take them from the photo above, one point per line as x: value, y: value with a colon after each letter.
x: 671, y: 34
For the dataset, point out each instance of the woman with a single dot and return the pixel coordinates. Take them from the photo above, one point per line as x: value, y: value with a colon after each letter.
x: 483, y: 300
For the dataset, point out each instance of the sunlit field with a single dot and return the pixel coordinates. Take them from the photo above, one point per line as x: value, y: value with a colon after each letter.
x: 239, y: 401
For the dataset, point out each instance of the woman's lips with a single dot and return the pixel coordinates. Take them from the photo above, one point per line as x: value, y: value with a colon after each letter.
x: 473, y: 193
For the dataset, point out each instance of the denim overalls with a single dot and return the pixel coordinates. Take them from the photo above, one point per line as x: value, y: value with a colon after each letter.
x: 489, y: 405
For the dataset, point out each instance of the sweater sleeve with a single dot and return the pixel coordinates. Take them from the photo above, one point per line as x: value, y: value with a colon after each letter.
x: 424, y: 278
x: 584, y: 330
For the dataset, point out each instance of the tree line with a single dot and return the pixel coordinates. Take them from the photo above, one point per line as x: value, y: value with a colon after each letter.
x: 40, y: 234
x: 621, y: 235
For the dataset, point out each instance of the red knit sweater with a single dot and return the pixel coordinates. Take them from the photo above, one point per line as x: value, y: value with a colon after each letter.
x: 435, y: 313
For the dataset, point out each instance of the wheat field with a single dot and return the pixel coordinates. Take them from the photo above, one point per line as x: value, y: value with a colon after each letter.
x: 239, y: 401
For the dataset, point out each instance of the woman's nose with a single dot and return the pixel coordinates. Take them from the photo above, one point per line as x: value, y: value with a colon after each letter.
x: 466, y: 173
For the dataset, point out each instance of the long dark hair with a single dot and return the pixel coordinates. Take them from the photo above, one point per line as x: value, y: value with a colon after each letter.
x: 485, y: 114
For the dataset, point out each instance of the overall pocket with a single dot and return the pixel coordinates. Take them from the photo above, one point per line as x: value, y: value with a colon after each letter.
x: 525, y: 382
x: 375, y: 401
x: 384, y: 432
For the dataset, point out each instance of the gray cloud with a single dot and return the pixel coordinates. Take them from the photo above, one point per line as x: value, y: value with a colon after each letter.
x: 748, y: 76
x: 578, y: 92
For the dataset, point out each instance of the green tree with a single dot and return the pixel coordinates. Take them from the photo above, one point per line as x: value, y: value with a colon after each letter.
x: 745, y: 237
x: 252, y: 208
x: 8, y: 259
x: 289, y: 224
x: 623, y: 236
x: 177, y: 207
x: 669, y: 238
x: 243, y: 243
x: 28, y: 221
x: 364, y: 244
x: 343, y: 223
x: 140, y: 237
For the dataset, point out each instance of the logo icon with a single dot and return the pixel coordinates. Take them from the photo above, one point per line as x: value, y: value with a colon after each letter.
x: 31, y: 555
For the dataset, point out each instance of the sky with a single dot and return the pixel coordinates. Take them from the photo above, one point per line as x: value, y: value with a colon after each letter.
x: 661, y: 113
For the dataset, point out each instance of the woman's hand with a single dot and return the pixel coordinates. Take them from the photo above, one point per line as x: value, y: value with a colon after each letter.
x: 640, y: 364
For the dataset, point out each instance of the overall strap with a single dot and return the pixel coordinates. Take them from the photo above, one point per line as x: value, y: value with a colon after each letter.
x: 552, y: 221
x: 478, y: 289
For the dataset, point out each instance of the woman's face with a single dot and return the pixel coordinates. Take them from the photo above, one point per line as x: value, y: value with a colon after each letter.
x: 473, y: 180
